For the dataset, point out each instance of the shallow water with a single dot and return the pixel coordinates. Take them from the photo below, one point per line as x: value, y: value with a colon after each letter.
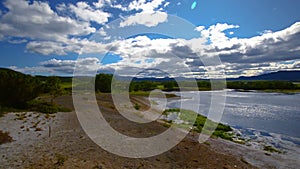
x: 271, y: 112
x: 262, y: 118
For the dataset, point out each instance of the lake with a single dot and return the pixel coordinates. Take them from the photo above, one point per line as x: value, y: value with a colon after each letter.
x: 272, y: 118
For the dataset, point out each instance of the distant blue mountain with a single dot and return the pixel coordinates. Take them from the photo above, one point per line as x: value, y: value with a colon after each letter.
x: 281, y: 75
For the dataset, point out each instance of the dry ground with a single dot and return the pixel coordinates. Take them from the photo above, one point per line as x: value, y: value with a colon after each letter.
x: 67, y: 146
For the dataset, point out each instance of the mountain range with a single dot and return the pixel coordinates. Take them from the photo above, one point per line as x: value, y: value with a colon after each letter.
x: 280, y: 75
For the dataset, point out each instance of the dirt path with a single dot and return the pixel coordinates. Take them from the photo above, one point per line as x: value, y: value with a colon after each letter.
x: 69, y: 147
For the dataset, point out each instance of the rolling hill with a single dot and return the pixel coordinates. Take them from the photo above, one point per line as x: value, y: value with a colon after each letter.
x: 281, y: 75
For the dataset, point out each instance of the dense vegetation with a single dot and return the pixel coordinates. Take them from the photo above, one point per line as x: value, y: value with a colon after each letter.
x: 20, y: 92
x: 260, y: 85
x: 17, y: 88
x: 103, y: 83
x: 206, y: 85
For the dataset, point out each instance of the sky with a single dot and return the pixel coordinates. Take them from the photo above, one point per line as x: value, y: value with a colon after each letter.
x: 176, y: 38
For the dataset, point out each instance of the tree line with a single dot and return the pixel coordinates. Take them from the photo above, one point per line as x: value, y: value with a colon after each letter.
x: 261, y: 85
x: 17, y: 88
x: 103, y: 84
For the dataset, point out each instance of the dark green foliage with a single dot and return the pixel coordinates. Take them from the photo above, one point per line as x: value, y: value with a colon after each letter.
x: 103, y: 83
x: 271, y: 149
x: 222, y: 134
x: 223, y: 127
x: 45, y: 107
x: 260, y: 85
x: 170, y: 85
x: 52, y: 86
x: 137, y: 106
x: 62, y: 79
x: 4, y: 110
x: 16, y: 88
x: 143, y: 86
x: 18, y: 92
x: 204, y: 85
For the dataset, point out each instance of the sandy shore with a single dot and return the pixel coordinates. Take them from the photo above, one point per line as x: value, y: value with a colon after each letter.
x: 58, y: 141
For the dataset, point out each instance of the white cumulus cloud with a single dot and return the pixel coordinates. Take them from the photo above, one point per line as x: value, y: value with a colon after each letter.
x: 38, y: 21
x: 148, y: 19
x: 85, y: 12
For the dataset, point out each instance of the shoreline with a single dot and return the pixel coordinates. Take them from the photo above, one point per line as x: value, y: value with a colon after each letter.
x: 68, y: 146
x: 287, y: 147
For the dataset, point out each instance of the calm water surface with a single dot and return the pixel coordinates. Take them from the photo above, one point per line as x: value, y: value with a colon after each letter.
x: 270, y: 112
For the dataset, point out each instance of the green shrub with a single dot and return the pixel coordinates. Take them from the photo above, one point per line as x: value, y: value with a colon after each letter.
x: 223, y: 127
x: 223, y: 135
x: 137, y: 106
x: 45, y: 107
x: 271, y: 149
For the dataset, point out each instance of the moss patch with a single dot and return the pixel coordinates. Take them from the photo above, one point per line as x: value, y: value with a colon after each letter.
x: 271, y: 149
x: 221, y: 130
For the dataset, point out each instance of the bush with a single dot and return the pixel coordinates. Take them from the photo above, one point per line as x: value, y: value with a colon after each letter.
x: 223, y: 127
x: 223, y: 135
x: 52, y: 86
x: 271, y: 149
x: 45, y: 107
x: 4, y: 137
x: 137, y: 106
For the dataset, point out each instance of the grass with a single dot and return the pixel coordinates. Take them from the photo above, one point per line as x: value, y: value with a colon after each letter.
x: 146, y: 94
x: 271, y: 149
x: 45, y: 107
x: 67, y: 87
x: 4, y: 110
x: 36, y: 105
x: 287, y: 91
x: 5, y: 137
x: 221, y: 130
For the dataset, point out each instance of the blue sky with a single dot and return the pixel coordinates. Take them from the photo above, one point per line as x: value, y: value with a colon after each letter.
x: 250, y: 37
